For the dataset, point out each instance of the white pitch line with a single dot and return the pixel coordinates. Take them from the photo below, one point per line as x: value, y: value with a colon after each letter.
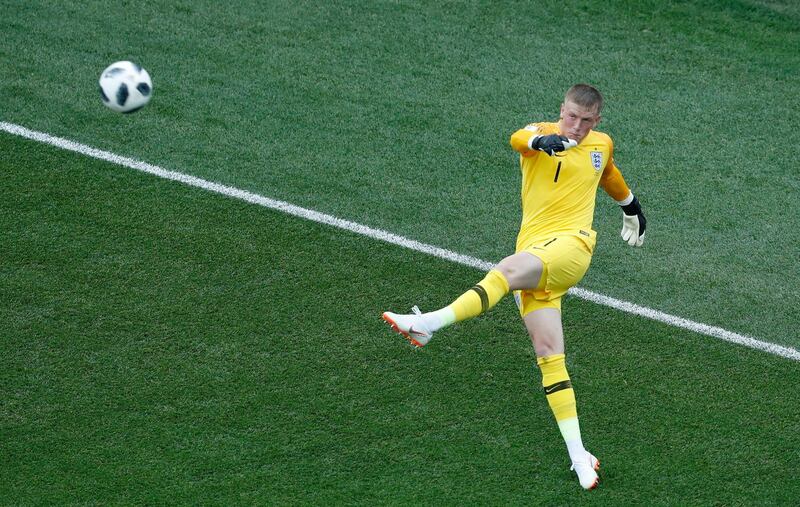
x: 672, y: 320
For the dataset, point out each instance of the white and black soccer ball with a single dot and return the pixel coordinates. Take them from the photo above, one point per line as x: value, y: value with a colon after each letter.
x: 125, y: 87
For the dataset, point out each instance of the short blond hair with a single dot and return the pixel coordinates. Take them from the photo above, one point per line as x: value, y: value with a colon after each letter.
x: 585, y: 96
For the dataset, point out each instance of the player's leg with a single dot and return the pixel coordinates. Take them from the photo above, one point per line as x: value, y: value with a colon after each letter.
x: 547, y: 335
x: 519, y: 271
x: 566, y: 260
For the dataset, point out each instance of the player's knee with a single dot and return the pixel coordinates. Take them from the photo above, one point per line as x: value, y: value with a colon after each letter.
x: 547, y: 342
x: 545, y: 347
x: 522, y: 271
x: 508, y: 270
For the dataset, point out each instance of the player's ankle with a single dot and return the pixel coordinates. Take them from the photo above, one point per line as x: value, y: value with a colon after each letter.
x: 438, y: 319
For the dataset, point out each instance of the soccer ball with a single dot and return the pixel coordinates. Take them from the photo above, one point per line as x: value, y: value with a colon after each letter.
x: 125, y: 87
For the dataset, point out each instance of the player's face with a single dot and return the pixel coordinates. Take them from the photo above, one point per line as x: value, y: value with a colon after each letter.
x: 576, y: 121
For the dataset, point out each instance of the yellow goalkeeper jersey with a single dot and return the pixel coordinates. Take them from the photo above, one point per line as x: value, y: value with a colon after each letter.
x: 558, y: 192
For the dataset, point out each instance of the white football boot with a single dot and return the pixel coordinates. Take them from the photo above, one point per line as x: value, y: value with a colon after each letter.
x: 587, y: 471
x: 411, y: 326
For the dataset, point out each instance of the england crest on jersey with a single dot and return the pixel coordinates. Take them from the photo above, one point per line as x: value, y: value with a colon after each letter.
x: 597, y: 159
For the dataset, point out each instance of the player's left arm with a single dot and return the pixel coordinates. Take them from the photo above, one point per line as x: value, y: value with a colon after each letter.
x: 633, y: 221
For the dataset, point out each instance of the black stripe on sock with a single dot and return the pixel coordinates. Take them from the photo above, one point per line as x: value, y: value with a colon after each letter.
x: 558, y: 386
x: 484, y: 297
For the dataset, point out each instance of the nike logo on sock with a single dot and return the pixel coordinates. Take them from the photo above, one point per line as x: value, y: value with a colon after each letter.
x: 558, y: 386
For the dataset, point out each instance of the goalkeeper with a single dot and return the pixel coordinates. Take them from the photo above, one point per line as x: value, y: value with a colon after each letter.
x: 562, y: 165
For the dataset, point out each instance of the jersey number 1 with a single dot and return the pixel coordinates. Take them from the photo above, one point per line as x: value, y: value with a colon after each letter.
x: 558, y: 170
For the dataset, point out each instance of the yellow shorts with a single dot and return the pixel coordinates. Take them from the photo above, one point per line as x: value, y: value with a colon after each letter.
x: 566, y: 259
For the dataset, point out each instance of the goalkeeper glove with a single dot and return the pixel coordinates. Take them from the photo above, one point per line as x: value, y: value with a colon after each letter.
x: 633, y: 223
x: 553, y: 143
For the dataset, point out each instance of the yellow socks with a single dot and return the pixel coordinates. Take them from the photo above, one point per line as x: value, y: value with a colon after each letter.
x: 561, y: 398
x: 484, y: 295
x: 557, y: 387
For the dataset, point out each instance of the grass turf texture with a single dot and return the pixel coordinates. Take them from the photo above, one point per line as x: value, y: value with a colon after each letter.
x: 168, y: 345
x: 164, y: 344
x: 397, y: 115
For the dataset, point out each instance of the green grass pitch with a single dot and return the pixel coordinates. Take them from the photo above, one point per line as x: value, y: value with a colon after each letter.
x: 162, y: 344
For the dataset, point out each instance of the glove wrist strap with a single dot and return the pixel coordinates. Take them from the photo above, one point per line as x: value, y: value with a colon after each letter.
x: 634, y: 208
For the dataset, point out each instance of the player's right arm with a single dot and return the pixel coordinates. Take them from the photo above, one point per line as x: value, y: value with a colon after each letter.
x: 521, y: 140
x: 531, y: 138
